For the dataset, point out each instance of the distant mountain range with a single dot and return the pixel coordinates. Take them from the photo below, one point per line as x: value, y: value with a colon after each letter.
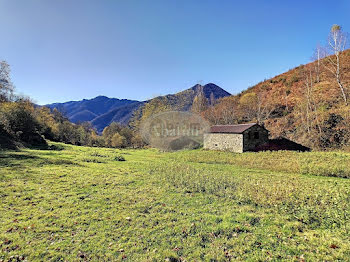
x: 102, y: 111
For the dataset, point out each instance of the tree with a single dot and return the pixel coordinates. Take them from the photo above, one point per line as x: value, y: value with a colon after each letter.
x: 118, y: 141
x: 248, y: 103
x: 58, y: 116
x: 109, y: 132
x: 48, y: 125
x: 128, y: 134
x: 200, y: 102
x: 18, y: 120
x: 82, y: 135
x: 257, y: 105
x: 224, y: 112
x: 67, y: 133
x: 6, y: 86
x: 337, y: 42
x: 96, y: 140
x: 137, y: 141
x: 317, y: 58
x: 212, y: 99
x: 312, y: 119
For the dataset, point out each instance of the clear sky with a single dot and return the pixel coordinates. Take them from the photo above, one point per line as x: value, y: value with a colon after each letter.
x: 69, y: 50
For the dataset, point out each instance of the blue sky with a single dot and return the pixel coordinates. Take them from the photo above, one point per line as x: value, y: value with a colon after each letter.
x: 69, y: 50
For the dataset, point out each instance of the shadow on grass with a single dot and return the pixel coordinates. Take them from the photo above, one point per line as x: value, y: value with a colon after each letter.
x: 16, y: 156
x: 11, y: 159
x: 48, y: 147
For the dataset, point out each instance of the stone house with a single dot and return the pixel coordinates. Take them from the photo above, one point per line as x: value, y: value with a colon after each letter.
x: 236, y: 138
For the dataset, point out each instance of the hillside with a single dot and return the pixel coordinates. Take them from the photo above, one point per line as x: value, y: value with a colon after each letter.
x: 296, y: 105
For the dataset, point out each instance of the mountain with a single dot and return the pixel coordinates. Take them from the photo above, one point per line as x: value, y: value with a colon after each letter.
x: 183, y: 100
x: 89, y: 109
x: 180, y: 101
x: 217, y: 91
x: 120, y: 114
x: 102, y: 111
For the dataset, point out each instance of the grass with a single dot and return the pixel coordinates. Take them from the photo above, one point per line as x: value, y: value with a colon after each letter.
x: 334, y: 164
x: 78, y: 203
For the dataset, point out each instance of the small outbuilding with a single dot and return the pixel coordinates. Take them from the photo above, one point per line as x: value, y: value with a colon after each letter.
x: 236, y: 138
x: 246, y: 137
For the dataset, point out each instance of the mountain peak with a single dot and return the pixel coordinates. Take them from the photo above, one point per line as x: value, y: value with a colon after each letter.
x: 209, y: 88
x: 100, y: 97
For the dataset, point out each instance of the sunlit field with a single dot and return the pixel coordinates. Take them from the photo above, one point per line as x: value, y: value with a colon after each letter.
x: 79, y: 203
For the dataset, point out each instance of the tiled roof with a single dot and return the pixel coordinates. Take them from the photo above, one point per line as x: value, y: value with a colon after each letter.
x: 235, y: 129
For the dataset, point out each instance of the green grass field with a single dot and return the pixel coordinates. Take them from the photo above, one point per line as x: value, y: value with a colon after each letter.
x: 78, y: 203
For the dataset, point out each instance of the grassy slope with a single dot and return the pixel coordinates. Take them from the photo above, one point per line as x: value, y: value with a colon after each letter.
x: 81, y: 204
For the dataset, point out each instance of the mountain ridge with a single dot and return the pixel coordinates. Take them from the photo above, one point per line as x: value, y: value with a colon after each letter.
x: 102, y: 110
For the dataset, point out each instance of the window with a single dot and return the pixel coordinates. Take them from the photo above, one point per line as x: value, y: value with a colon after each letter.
x: 256, y: 135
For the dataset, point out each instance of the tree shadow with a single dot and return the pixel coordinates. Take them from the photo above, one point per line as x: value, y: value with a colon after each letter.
x: 11, y: 159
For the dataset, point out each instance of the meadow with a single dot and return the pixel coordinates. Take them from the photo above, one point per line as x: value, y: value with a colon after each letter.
x: 73, y: 203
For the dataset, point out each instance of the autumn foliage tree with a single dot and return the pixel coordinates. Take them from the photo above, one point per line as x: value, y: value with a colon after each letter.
x: 200, y: 102
x: 224, y: 111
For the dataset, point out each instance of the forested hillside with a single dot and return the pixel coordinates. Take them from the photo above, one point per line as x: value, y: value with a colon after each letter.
x: 305, y: 104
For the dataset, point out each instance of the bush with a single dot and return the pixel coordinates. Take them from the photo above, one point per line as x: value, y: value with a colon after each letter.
x: 98, y: 154
x: 55, y: 147
x: 119, y: 158
x: 92, y: 160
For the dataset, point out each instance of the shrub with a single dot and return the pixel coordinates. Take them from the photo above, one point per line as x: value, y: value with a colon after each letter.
x: 119, y: 158
x: 92, y: 160
x: 98, y: 154
x: 55, y: 147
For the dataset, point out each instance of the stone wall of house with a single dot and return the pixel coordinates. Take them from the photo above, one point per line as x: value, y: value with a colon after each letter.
x: 222, y: 141
x: 253, y: 137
